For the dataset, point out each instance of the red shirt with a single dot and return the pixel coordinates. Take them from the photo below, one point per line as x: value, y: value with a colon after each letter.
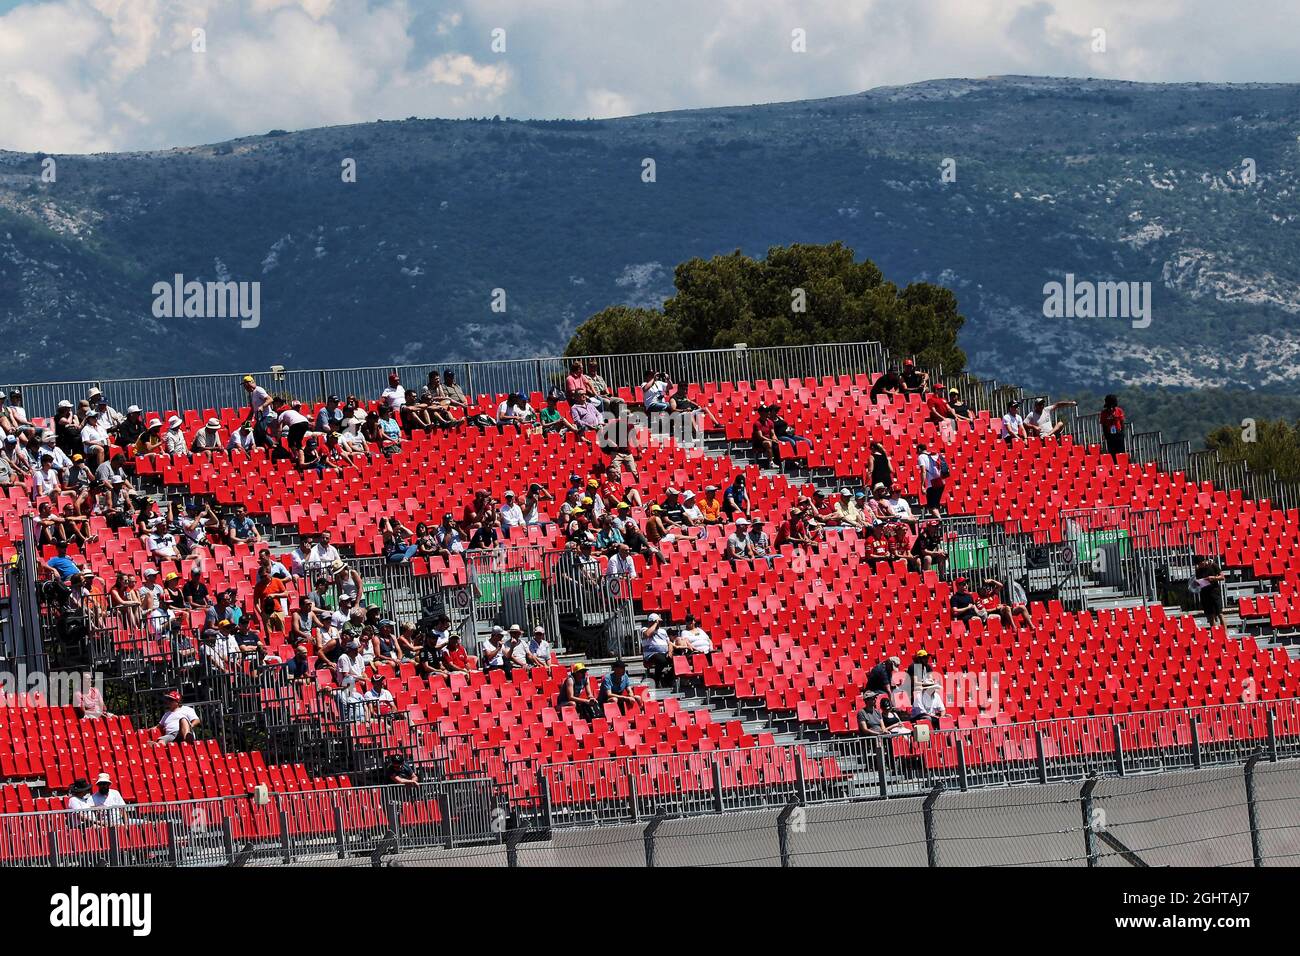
x: 878, y: 548
x: 1112, y: 420
x: 990, y: 602
x: 458, y: 657
x: 939, y: 406
x: 612, y: 492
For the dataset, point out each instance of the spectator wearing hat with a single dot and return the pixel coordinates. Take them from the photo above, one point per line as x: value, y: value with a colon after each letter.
x: 963, y: 605
x: 150, y: 441
x: 608, y: 536
x: 511, y: 516
x: 915, y: 382
x: 446, y: 537
x: 95, y: 441
x: 691, y: 509
x: 537, y: 652
x: 207, y: 438
x: 616, y: 686
x: 638, y: 544
x: 576, y: 692
x: 960, y: 410
x: 79, y: 795
x: 399, y: 771
x: 173, y: 439
x: 738, y: 546
x: 760, y: 544
x: 132, y: 426
x: 1039, y: 423
x: 796, y: 531
x: 1111, y: 419
x: 658, y: 531
x: 515, y: 410
x: 178, y: 722
x: 494, y: 652
x: 937, y: 404
x: 846, y: 512
x: 763, y: 439
x: 710, y: 506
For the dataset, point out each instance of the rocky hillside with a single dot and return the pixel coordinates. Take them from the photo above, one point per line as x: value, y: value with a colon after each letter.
x: 1109, y: 181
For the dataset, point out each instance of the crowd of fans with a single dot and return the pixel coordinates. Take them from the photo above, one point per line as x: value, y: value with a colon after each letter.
x: 80, y: 465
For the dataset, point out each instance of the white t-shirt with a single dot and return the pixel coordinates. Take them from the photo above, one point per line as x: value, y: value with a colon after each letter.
x: 1013, y: 425
x: 512, y: 516
x: 384, y: 696
x: 1042, y: 419
x: 394, y: 396
x: 352, y: 441
x: 509, y: 409
x: 539, y: 649
x: 44, y: 482
x: 485, y: 658
x: 257, y: 398
x: 655, y: 644
x: 326, y: 555
x: 699, y: 640
x: 898, y: 507
x: 171, y: 720
x: 621, y: 565
x: 290, y: 417
x: 94, y: 434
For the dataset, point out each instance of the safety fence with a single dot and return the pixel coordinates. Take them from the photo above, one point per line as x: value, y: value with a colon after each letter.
x: 629, y: 789
x: 259, y: 828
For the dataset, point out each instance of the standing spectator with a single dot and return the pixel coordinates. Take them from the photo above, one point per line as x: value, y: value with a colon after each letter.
x: 934, y: 475
x: 880, y: 679
x: 1210, y: 577
x: 1112, y: 425
x: 1039, y: 424
x: 882, y: 469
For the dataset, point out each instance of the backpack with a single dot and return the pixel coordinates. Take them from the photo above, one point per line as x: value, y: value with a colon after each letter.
x: 943, y: 467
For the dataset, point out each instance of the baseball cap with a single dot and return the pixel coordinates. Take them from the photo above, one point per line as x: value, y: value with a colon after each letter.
x: 172, y: 695
x: 498, y: 629
x: 132, y: 409
x: 539, y: 629
x: 653, y: 618
x: 394, y: 378
x: 710, y: 487
x: 593, y: 483
x: 247, y: 378
x: 509, y: 493
x: 579, y: 666
x: 672, y: 491
x: 845, y: 491
x: 688, y: 494
x: 623, y: 504
x: 65, y: 404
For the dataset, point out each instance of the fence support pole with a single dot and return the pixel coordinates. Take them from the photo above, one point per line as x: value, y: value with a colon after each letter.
x: 783, y: 831
x: 228, y: 839
x: 962, y: 779
x: 1119, y: 750
x: 800, y: 781
x: 931, y: 841
x: 286, y: 842
x: 1252, y: 811
x: 717, y: 785
x: 512, y: 847
x: 1272, y: 736
x: 395, y: 824
x: 1085, y: 806
x: 881, y: 774
x: 544, y: 788
x: 649, y: 837
x: 444, y: 811
x: 1196, y: 742
x: 632, y: 797
x: 1041, y: 758
x: 340, y: 835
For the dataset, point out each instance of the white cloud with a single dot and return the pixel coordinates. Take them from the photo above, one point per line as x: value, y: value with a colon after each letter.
x: 80, y: 75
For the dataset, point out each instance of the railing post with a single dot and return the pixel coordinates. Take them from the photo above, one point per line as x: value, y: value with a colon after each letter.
x: 783, y: 831
x: 1042, y: 756
x: 800, y: 780
x: 173, y: 856
x: 962, y: 780
x: 1272, y: 736
x: 882, y: 775
x: 512, y: 847
x: 717, y: 784
x: 228, y: 840
x: 633, y: 798
x: 1252, y: 811
x: 927, y: 816
x: 340, y: 834
x: 286, y: 841
x: 544, y: 787
x: 53, y: 839
x: 444, y: 811
x: 395, y: 823
x: 1085, y: 806
x: 1196, y: 741
x: 1119, y: 749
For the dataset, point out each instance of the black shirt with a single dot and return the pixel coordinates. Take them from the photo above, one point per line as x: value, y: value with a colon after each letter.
x: 483, y: 538
x: 912, y: 379
x: 961, y: 600
x: 881, y: 473
x: 881, y: 678
x: 885, y: 383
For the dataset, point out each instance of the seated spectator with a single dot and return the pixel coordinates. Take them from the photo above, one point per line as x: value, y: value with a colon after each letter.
x: 576, y: 691
x: 655, y: 393
x: 414, y: 415
x: 553, y: 421
x: 298, y: 667
x: 738, y: 546
x: 89, y: 700
x: 537, y: 652
x: 586, y: 411
x: 389, y: 432
x: 400, y: 772
x: 877, y: 718
x: 616, y: 687
x: 710, y: 506
x: 990, y: 600
x: 915, y: 382
x: 608, y: 537
x: 494, y: 654
x: 446, y: 537
x: 511, y: 516
x: 655, y: 650
x: 695, y: 636
x: 963, y: 604
x: 455, y: 659
x: 691, y: 509
x: 763, y: 440
x: 783, y: 431
x: 638, y: 543
x: 846, y: 513
x: 794, y: 531
x: 937, y: 403
x: 894, y: 507
x: 621, y: 564
x: 516, y: 411
x: 207, y: 438
x: 1039, y: 423
x: 928, y: 547
x: 960, y: 410
x: 735, y: 500
x: 485, y: 537
x: 760, y: 545
x: 242, y: 528
x: 899, y: 544
x: 927, y: 703
x: 1013, y: 426
x: 178, y: 722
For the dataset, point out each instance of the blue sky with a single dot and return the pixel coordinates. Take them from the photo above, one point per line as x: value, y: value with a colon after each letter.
x: 96, y: 75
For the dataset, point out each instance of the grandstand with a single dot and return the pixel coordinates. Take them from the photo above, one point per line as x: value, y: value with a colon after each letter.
x: 1113, y: 668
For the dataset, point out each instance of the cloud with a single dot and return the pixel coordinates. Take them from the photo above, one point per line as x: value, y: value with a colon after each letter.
x: 85, y: 75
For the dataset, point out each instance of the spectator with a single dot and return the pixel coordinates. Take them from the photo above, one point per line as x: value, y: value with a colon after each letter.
x: 94, y: 439
x: 691, y: 509
x: 735, y: 500
x: 552, y: 421
x: 103, y: 807
x: 537, y: 652
x: 394, y: 396
x: 446, y: 537
x: 511, y: 516
x: 877, y: 718
x: 577, y: 382
x: 710, y: 506
x: 888, y: 384
x: 242, y: 528
x: 880, y: 679
x: 927, y: 703
x: 1209, y: 578
x: 896, y: 508
x: 399, y: 772
x: 616, y: 687
x: 208, y: 438
x: 455, y: 659
x: 621, y: 563
x: 696, y: 636
x: 1013, y: 425
x: 655, y: 651
x: 738, y: 546
x: 576, y: 691
x: 388, y: 432
x: 847, y: 514
x: 934, y: 476
x: 47, y: 481
x: 586, y: 411
x: 760, y: 545
x: 990, y: 600
x: 960, y: 410
x: 89, y: 700
x: 915, y: 382
x: 485, y: 537
x: 784, y: 433
x: 299, y: 666
x: 655, y: 393
x: 795, y: 530
x: 516, y: 411
x: 763, y: 440
x: 1111, y: 419
x: 178, y: 721
x: 882, y: 469
x: 600, y: 388
x: 1039, y: 423
x: 963, y: 604
x: 494, y: 653
x: 638, y: 543
x: 937, y: 403
x: 172, y: 438
x: 928, y: 547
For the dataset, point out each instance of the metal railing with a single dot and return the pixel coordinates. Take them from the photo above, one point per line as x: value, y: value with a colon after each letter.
x: 289, y: 827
